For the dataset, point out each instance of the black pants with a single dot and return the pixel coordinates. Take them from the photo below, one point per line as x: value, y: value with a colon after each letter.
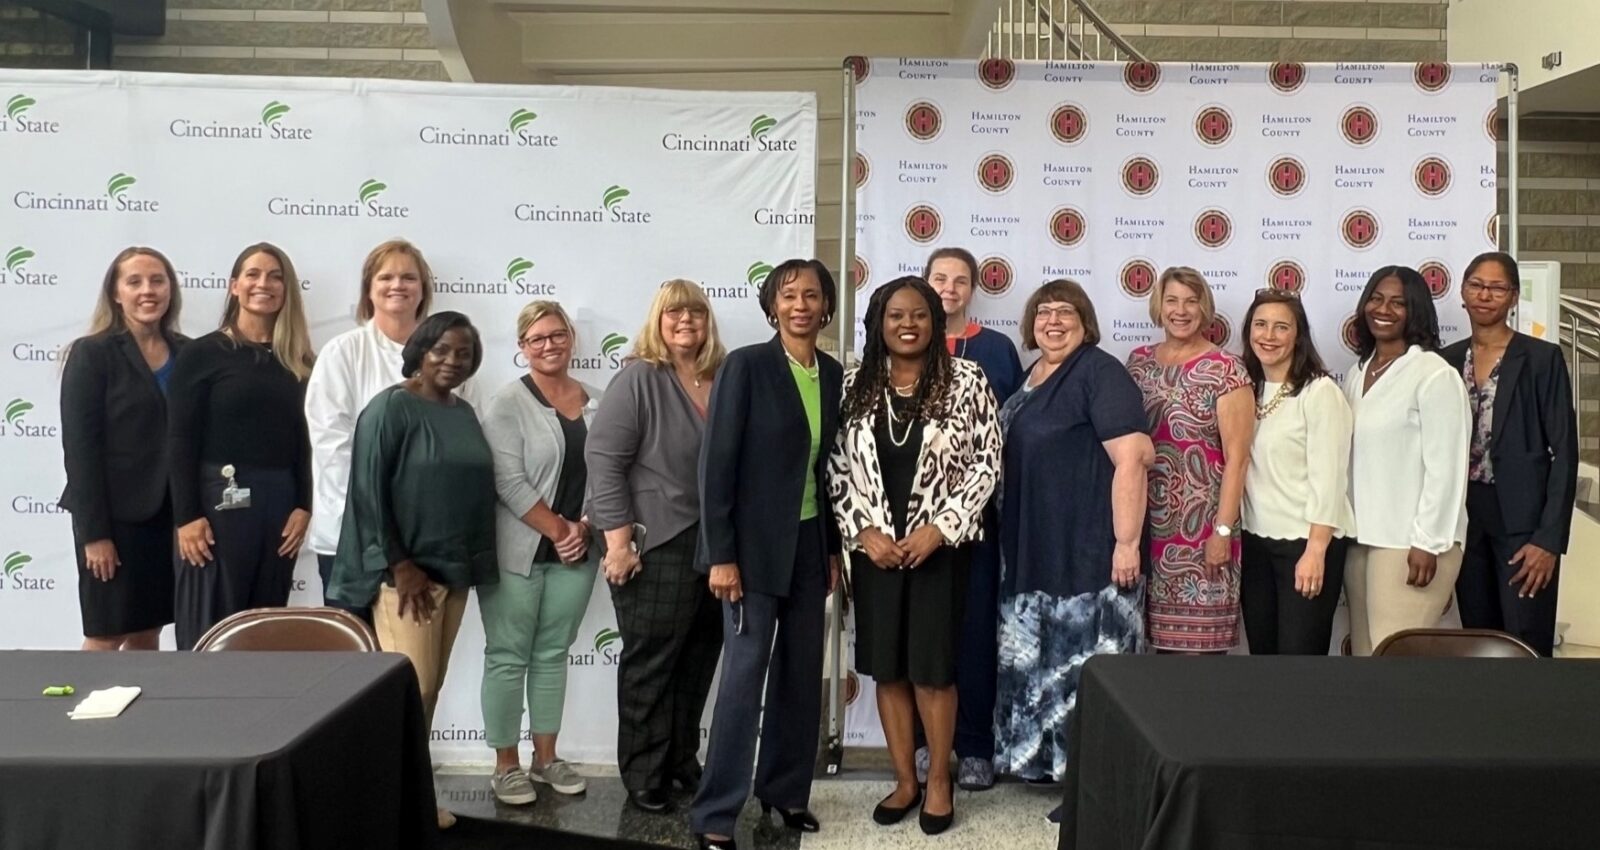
x: 246, y: 570
x: 779, y: 639
x: 325, y: 569
x: 1483, y: 589
x: 671, y: 630
x: 1277, y: 619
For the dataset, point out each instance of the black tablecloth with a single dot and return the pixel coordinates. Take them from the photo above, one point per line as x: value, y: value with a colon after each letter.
x: 222, y: 751
x: 1322, y: 753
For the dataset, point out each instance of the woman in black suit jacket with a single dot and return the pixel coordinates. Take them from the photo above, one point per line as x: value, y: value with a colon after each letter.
x: 113, y: 419
x: 771, y: 547
x: 1523, y: 472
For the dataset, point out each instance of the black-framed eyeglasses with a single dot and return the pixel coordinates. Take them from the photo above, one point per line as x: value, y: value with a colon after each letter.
x: 541, y: 340
x: 1497, y: 291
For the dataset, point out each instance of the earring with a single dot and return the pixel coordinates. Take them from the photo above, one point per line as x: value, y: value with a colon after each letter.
x: 772, y: 320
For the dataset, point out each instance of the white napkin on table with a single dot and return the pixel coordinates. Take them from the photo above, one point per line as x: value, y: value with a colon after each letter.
x: 107, y: 702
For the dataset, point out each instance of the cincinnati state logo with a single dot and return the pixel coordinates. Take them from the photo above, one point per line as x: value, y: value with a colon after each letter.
x: 924, y: 121
x: 996, y: 173
x: 1213, y: 228
x: 862, y: 170
x: 1287, y: 176
x: 994, y: 275
x: 1431, y: 76
x: 1068, y: 226
x: 1069, y: 123
x: 860, y: 272
x: 1140, y: 176
x: 1213, y: 125
x: 1491, y: 123
x: 1432, y: 176
x: 1286, y: 276
x: 1137, y: 278
x: 860, y: 68
x: 923, y: 223
x: 1141, y: 77
x: 1359, y: 125
x: 1348, y: 334
x: 1219, y: 331
x: 1287, y: 77
x: 997, y: 74
x: 1437, y: 276
x: 1491, y: 228
x: 1359, y: 229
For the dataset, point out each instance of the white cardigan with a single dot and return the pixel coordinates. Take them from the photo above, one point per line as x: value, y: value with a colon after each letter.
x: 1408, y: 460
x: 352, y: 368
x: 1300, y: 465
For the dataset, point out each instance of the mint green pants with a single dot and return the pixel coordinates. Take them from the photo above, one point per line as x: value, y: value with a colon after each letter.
x: 528, y: 625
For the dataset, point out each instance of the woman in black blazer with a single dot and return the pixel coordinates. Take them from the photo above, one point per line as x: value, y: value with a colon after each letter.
x: 1523, y: 471
x: 769, y: 542
x: 113, y: 417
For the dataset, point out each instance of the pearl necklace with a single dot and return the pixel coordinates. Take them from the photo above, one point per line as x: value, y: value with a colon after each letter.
x: 1263, y: 411
x: 888, y: 406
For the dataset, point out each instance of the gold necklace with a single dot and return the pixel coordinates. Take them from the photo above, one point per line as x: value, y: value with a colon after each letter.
x: 1263, y: 411
x: 812, y: 371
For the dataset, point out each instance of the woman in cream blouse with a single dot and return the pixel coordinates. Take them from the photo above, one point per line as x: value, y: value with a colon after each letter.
x: 1297, y: 515
x: 1408, y: 463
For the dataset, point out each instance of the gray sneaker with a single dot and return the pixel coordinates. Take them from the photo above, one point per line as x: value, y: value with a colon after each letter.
x: 923, y: 760
x: 560, y: 776
x: 513, y: 788
x: 975, y: 774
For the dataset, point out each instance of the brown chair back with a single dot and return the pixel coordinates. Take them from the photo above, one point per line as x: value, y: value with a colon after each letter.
x: 1454, y: 643
x: 289, y: 630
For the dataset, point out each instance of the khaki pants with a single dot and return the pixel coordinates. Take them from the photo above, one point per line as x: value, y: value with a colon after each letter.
x: 1381, y: 603
x: 427, y: 644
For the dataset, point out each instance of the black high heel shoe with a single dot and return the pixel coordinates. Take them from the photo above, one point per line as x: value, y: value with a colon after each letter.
x: 705, y: 843
x: 802, y: 820
x: 887, y: 815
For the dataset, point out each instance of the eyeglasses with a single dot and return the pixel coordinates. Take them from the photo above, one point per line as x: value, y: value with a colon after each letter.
x: 1478, y: 287
x: 1062, y: 313
x: 676, y: 313
x: 541, y: 340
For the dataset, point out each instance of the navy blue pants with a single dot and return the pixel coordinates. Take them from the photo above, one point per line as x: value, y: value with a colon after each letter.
x: 1483, y: 590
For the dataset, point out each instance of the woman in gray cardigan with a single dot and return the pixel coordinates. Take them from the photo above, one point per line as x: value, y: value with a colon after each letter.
x: 643, y: 457
x: 537, y: 427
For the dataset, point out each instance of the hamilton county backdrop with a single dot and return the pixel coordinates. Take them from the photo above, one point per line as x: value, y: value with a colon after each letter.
x: 591, y: 196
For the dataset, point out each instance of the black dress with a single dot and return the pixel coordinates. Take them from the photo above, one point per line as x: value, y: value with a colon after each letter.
x: 907, y: 621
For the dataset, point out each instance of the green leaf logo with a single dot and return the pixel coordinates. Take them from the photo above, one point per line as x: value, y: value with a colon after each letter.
x: 518, y: 267
x: 612, y: 344
x: 16, y: 409
x: 372, y: 189
x: 762, y: 126
x: 614, y: 196
x: 119, y: 184
x: 274, y: 112
x: 521, y: 118
x: 18, y: 257
x: 757, y: 273
x: 15, y: 562
x: 605, y: 638
x: 18, y: 106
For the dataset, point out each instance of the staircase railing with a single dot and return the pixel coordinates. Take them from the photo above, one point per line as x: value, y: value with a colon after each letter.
x: 1580, y: 338
x: 1056, y: 29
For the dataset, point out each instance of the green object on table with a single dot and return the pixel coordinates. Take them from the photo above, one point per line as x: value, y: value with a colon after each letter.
x: 58, y: 691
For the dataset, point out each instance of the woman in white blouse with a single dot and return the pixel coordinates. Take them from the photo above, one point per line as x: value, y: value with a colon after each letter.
x: 1408, y: 463
x: 1297, y: 515
x: 396, y: 292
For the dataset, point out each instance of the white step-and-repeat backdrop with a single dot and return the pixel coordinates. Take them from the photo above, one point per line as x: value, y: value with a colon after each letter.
x: 1300, y: 176
x: 591, y: 196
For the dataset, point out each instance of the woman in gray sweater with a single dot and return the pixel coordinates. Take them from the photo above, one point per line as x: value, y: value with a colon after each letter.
x: 643, y: 455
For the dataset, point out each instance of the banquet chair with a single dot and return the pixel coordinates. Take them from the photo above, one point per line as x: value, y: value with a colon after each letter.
x: 1454, y: 643
x: 289, y: 630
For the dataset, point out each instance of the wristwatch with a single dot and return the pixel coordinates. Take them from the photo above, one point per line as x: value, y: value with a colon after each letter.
x: 1223, y: 530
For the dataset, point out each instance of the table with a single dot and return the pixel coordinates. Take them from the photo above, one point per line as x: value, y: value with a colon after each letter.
x: 222, y: 751
x: 1278, y: 753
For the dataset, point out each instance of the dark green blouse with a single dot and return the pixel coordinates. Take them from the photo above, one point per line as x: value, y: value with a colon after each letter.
x: 421, y: 487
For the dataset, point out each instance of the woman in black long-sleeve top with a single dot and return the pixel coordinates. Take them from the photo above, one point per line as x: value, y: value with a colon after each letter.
x: 1522, y: 474
x: 768, y: 539
x: 113, y: 397
x: 238, y: 399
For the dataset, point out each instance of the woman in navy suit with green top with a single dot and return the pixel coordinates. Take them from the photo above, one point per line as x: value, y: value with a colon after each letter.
x: 768, y: 540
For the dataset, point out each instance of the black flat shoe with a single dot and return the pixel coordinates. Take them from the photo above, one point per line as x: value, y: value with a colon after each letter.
x: 802, y: 819
x: 651, y: 801
x: 705, y: 843
x: 887, y: 815
x: 687, y: 778
x: 935, y: 824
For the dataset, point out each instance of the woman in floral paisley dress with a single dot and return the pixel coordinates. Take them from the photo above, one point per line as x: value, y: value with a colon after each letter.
x: 1202, y: 419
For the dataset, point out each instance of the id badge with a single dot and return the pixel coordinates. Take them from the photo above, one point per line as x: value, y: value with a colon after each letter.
x: 234, y: 497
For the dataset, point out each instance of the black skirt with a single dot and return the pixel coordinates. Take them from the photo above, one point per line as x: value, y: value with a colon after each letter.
x: 908, y: 621
x: 139, y: 596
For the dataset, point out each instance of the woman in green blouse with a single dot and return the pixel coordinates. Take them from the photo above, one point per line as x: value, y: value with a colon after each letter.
x: 419, y: 519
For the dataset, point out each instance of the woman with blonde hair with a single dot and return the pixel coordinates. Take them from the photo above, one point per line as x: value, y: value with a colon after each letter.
x: 643, y: 456
x: 537, y: 426
x: 237, y: 446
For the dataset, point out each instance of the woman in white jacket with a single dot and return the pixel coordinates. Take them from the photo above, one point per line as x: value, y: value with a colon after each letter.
x: 1408, y: 463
